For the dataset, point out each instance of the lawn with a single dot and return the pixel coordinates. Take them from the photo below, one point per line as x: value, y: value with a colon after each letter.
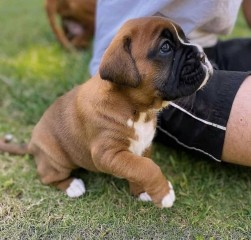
x: 213, y: 199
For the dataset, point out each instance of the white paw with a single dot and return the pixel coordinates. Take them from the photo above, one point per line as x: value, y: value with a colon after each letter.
x: 169, y: 199
x: 76, y: 188
x: 145, y: 197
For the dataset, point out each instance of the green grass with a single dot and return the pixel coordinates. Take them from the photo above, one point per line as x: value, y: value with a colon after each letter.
x: 213, y: 200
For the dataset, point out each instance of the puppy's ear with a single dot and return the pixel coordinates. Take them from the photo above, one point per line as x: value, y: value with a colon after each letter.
x: 118, y: 65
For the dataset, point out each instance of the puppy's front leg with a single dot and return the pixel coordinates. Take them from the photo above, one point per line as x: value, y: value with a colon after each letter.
x: 139, y: 170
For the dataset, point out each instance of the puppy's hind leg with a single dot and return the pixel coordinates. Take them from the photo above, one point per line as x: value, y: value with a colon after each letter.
x: 52, y: 173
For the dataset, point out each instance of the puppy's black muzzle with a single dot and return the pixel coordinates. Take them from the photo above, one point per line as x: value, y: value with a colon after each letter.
x: 188, y: 73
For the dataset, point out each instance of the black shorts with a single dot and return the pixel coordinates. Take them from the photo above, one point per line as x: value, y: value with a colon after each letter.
x: 198, y: 122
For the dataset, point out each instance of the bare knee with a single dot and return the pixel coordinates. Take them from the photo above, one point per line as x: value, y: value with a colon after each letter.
x: 237, y: 143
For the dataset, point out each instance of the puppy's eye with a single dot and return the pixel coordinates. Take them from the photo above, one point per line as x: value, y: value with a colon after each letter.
x: 165, y: 48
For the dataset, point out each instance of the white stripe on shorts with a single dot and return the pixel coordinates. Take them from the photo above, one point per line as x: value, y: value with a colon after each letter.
x: 197, y: 118
x: 184, y: 145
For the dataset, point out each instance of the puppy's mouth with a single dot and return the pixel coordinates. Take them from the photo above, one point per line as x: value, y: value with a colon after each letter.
x: 190, y: 71
x: 72, y: 28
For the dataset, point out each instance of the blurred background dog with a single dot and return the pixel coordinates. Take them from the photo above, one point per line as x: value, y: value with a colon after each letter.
x: 75, y: 27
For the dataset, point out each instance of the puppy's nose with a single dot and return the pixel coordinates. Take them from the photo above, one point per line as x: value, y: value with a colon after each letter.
x: 201, y: 56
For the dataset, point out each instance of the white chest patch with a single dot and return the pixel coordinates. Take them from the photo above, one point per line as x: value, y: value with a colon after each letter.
x: 144, y: 132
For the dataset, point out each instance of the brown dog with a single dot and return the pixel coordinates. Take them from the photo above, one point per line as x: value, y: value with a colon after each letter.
x: 107, y: 124
x: 77, y: 21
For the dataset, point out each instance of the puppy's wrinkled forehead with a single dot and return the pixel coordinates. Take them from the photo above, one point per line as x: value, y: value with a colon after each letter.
x: 148, y: 29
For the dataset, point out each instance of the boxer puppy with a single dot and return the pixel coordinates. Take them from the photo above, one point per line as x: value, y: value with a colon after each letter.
x: 77, y: 21
x: 107, y: 124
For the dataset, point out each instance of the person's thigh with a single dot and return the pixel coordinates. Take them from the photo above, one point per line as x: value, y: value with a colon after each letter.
x: 231, y: 55
x: 237, y: 143
x: 199, y: 122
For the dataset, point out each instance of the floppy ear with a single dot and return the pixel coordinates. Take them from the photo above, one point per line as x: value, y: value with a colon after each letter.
x: 118, y: 65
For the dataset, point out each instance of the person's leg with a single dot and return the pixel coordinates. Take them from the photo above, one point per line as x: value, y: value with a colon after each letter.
x: 199, y: 122
x: 231, y: 55
x: 235, y: 54
x: 237, y: 144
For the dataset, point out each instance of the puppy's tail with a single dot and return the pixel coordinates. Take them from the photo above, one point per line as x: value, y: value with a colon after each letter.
x: 15, y: 149
x: 51, y: 7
